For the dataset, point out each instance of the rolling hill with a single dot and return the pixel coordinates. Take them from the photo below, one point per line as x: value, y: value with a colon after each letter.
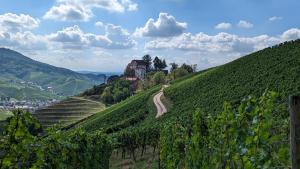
x: 276, y: 68
x: 68, y: 111
x: 24, y: 78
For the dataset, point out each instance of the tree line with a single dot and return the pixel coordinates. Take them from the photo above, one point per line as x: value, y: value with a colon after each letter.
x: 156, y: 72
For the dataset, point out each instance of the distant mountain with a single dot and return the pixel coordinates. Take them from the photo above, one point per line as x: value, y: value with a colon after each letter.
x: 24, y: 78
x: 101, y: 73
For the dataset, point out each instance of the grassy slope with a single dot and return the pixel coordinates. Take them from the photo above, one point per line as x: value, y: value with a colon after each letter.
x: 275, y: 69
x: 68, y: 111
x: 124, y: 111
x: 121, y: 114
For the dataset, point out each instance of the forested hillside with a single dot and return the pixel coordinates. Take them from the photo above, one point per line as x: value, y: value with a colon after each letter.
x: 24, y: 78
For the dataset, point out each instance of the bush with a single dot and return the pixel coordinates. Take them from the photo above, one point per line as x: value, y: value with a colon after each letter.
x: 158, y: 78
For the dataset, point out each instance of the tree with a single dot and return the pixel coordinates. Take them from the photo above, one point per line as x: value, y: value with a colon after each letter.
x: 194, y: 67
x: 163, y: 65
x: 189, y: 68
x: 159, y: 64
x: 173, y: 66
x: 107, y: 96
x: 113, y: 78
x: 148, y: 60
x: 179, y: 72
x: 159, y: 78
x: 118, y: 95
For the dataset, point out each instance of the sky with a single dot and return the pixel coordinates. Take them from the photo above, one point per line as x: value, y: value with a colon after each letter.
x: 105, y: 35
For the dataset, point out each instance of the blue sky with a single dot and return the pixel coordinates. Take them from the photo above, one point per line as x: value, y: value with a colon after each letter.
x: 104, y: 35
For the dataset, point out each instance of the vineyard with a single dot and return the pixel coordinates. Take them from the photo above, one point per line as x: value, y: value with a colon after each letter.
x: 121, y: 115
x: 21, y: 147
x: 251, y: 135
x: 231, y: 116
x: 275, y: 69
x: 68, y: 111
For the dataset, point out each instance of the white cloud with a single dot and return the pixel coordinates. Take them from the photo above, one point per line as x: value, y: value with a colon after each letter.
x: 23, y: 41
x: 223, y: 25
x: 81, y: 10
x: 291, y: 34
x: 68, y: 12
x: 244, y: 24
x: 275, y: 18
x: 99, y: 24
x: 70, y: 37
x: 15, y: 34
x: 165, y: 26
x: 220, y: 43
x: 214, y: 49
x: 119, y: 37
x: 14, y: 22
x: 130, y: 5
x: 74, y: 38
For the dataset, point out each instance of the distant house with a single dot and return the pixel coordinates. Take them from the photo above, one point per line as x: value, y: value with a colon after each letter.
x: 139, y: 69
x: 136, y: 71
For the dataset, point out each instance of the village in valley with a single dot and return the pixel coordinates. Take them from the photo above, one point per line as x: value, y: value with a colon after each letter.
x: 10, y: 104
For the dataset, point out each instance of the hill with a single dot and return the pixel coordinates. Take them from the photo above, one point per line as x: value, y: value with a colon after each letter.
x: 68, y: 111
x: 4, y: 114
x: 276, y: 68
x: 24, y: 78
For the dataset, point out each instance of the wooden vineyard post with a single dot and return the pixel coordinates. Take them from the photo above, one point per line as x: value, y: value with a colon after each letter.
x: 294, y: 104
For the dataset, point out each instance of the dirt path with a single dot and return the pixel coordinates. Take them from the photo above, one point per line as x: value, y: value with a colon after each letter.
x: 160, y: 107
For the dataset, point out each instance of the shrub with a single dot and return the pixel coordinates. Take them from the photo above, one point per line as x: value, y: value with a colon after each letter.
x: 158, y: 78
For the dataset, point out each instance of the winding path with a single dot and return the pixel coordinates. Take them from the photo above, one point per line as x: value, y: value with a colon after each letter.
x: 161, y: 108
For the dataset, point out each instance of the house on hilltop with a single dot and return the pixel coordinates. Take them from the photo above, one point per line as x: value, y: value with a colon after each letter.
x: 136, y: 69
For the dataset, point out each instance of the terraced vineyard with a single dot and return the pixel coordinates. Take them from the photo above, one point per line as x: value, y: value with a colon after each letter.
x: 274, y: 69
x: 4, y: 114
x: 68, y: 111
